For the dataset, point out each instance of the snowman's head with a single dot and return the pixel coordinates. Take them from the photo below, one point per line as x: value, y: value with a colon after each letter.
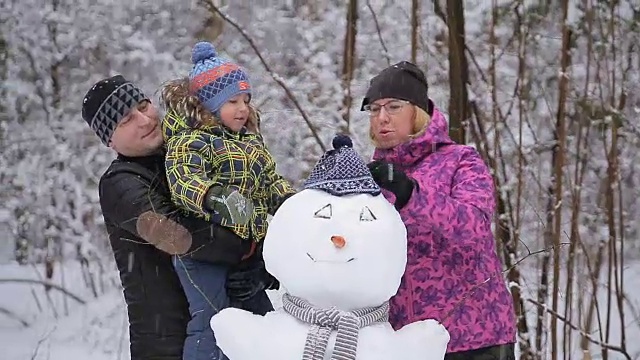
x: 345, y: 251
x: 339, y: 242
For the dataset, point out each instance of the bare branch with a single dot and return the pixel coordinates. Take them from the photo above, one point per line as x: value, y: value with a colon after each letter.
x: 375, y: 21
x: 45, y: 283
x: 44, y: 337
x: 14, y: 316
x: 475, y: 287
x: 585, y: 334
x: 213, y: 8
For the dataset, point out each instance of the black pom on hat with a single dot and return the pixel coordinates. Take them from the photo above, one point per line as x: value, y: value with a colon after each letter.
x: 341, y: 140
x: 341, y: 171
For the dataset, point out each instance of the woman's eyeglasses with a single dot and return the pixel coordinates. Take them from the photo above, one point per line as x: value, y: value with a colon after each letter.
x: 391, y: 107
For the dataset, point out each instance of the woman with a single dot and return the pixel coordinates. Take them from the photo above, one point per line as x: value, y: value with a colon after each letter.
x: 445, y: 195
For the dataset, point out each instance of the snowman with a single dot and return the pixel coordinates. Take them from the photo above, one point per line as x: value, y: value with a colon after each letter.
x: 339, y: 249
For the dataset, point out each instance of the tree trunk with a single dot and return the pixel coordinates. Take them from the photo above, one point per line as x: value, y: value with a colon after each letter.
x: 511, y: 246
x: 543, y: 289
x: 55, y: 66
x: 415, y: 25
x: 211, y: 28
x: 4, y: 55
x: 458, y: 72
x: 558, y: 168
x: 348, y: 61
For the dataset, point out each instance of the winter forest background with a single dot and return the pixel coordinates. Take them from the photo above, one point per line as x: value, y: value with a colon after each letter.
x: 547, y: 90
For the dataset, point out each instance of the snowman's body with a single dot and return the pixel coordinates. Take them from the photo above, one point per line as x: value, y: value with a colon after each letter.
x: 345, y: 252
x: 277, y: 335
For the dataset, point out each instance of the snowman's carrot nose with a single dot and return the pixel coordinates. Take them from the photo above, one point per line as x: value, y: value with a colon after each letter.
x: 338, y: 241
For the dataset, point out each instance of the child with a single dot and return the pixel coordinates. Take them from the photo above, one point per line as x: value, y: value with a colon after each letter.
x: 219, y: 168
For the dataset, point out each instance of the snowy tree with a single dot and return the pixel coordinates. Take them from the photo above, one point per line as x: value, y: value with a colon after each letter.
x: 552, y: 91
x: 51, y: 160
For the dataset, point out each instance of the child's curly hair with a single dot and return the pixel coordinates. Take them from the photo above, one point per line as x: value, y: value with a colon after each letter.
x: 175, y: 96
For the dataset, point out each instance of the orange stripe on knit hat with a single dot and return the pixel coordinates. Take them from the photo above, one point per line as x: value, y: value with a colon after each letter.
x: 207, y: 77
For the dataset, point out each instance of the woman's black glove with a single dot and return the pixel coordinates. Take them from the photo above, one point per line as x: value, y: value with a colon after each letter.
x: 388, y: 177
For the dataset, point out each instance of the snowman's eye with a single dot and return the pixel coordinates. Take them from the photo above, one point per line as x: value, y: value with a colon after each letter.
x: 367, y: 215
x: 324, y: 213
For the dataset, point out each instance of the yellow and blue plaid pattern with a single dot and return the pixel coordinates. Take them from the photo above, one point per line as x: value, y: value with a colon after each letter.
x: 197, y: 159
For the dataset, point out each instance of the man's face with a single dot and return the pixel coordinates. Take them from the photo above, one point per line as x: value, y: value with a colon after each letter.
x: 139, y: 132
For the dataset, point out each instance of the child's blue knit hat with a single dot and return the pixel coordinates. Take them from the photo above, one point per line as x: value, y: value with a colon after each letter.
x: 215, y: 80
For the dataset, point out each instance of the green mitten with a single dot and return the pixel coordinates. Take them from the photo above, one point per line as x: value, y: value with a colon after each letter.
x: 229, y: 204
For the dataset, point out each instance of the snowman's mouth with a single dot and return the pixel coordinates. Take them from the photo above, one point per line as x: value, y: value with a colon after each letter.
x: 334, y: 261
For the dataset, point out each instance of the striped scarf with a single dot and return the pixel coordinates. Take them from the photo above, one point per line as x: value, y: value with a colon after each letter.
x: 323, y: 321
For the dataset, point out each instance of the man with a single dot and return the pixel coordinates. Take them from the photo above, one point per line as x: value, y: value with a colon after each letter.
x: 145, y: 228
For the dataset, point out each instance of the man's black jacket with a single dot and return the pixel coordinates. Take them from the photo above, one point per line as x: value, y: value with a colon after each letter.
x: 145, y: 229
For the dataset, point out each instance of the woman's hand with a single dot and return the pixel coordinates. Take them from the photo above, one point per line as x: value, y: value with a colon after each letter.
x: 388, y: 177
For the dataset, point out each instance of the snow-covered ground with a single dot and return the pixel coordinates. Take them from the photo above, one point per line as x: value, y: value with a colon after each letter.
x: 47, y: 325
x: 36, y: 327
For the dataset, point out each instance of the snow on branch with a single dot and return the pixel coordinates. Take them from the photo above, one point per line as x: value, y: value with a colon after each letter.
x: 279, y: 80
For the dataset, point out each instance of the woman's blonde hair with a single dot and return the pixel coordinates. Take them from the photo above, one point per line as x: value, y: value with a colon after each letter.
x: 420, y: 120
x: 175, y: 95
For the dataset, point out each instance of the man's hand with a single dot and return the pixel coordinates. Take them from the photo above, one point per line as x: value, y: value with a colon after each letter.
x: 229, y: 204
x: 243, y: 284
x: 164, y: 233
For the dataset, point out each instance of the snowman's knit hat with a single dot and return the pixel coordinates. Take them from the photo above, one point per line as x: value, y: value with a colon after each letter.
x: 341, y: 171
